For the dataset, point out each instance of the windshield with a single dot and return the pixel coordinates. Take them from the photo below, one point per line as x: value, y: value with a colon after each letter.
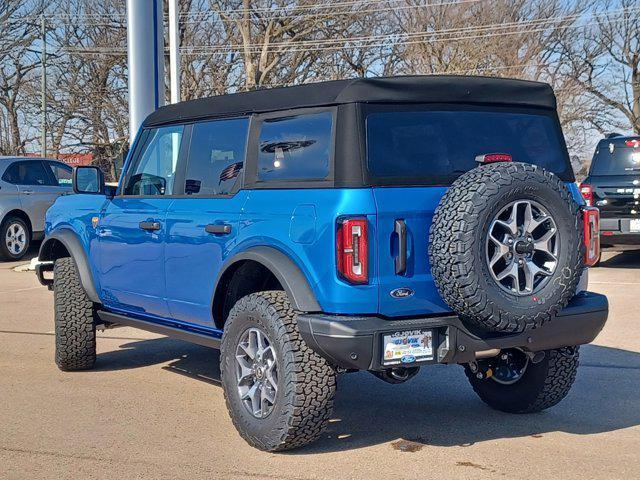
x: 436, y: 146
x: 614, y: 157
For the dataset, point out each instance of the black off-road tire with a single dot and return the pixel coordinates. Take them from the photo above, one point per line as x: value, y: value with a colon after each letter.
x: 306, y: 382
x: 457, y: 243
x: 75, y: 319
x: 5, y: 254
x: 543, y: 384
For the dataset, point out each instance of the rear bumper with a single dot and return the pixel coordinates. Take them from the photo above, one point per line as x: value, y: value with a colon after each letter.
x: 356, y: 342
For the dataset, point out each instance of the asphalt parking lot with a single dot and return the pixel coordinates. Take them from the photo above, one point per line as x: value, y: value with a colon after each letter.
x: 153, y: 408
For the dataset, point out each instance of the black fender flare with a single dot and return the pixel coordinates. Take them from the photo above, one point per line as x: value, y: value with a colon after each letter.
x: 289, y: 275
x: 72, y: 243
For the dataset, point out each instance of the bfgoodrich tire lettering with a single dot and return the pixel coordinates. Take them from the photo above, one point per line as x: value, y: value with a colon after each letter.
x: 543, y: 384
x: 306, y: 383
x: 74, y: 319
x: 457, y: 246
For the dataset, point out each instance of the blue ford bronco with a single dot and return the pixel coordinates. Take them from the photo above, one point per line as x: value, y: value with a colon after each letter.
x: 370, y: 224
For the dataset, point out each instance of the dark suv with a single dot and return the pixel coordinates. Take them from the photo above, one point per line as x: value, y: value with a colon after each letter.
x: 370, y: 224
x: 613, y: 185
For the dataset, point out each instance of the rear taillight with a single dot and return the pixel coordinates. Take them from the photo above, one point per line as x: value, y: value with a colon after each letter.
x: 587, y: 193
x: 632, y: 143
x: 591, y: 226
x: 353, y: 250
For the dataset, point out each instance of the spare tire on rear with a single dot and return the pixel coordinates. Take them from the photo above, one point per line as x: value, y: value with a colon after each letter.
x: 505, y: 246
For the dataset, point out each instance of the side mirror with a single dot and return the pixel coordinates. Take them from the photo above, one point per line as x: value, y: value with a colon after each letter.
x: 88, y: 180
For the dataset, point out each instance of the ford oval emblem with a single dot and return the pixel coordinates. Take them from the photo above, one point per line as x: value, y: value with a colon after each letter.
x: 408, y: 359
x: 402, y: 292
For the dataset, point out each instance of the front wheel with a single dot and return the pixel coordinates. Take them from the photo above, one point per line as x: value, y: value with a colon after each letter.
x: 513, y: 383
x: 278, y: 391
x: 75, y: 319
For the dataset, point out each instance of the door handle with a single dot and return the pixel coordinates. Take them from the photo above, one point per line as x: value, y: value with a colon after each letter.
x: 27, y: 192
x: 218, y: 228
x: 150, y: 226
x: 400, y: 229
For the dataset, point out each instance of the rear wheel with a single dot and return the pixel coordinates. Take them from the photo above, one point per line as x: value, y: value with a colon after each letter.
x: 15, y: 238
x: 279, y: 392
x: 513, y: 383
x: 75, y: 317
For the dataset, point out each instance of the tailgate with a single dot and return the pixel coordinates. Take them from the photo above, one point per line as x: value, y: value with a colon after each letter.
x: 617, y: 196
x: 414, y: 206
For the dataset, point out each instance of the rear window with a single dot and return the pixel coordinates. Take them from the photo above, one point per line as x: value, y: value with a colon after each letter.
x: 436, y: 146
x: 614, y: 157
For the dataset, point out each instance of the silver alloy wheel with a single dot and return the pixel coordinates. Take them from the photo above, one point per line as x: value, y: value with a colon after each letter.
x: 256, y: 372
x: 16, y: 238
x: 522, y: 247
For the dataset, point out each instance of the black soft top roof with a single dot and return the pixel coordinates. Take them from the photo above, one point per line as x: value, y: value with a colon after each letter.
x: 408, y: 89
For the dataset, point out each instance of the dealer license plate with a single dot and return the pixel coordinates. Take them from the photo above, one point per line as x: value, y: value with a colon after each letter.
x: 634, y: 225
x: 405, y: 348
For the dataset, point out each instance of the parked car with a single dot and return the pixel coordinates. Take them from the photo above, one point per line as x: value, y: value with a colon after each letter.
x: 613, y: 185
x: 371, y: 224
x: 28, y: 187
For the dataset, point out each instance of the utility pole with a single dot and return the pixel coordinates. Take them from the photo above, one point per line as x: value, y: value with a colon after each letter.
x: 43, y: 86
x: 174, y: 50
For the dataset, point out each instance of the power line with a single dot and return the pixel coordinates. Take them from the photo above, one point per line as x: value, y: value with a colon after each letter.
x: 186, y: 18
x: 192, y: 51
x: 464, y: 33
x: 468, y: 33
x: 207, y: 15
x: 488, y: 30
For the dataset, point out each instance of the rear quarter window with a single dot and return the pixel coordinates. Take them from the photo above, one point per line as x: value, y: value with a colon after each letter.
x: 295, y: 148
x: 436, y: 146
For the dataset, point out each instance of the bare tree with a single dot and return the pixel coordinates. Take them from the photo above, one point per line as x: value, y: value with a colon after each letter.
x: 18, y: 64
x: 89, y: 76
x: 604, y: 63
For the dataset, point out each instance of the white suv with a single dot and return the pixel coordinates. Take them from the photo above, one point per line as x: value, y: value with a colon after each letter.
x: 28, y: 187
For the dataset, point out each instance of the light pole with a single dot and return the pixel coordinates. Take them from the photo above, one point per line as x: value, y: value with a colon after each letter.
x: 174, y: 50
x: 43, y: 88
x: 145, y: 45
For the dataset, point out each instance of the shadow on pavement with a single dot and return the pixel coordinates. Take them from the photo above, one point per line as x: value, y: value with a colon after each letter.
x: 437, y: 407
x: 186, y: 358
x: 627, y: 259
x: 31, y: 253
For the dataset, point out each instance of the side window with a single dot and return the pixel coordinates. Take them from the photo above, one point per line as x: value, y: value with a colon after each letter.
x: 216, y: 156
x: 27, y: 173
x: 153, y: 170
x: 63, y: 173
x: 295, y: 148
